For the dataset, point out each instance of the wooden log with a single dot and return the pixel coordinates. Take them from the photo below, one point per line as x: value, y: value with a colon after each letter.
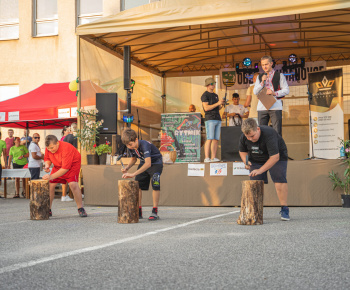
x: 252, y: 203
x: 128, y: 201
x: 39, y: 199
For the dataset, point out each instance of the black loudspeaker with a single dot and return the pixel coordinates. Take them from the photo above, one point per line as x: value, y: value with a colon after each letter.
x: 229, y: 143
x: 107, y: 106
x: 127, y: 68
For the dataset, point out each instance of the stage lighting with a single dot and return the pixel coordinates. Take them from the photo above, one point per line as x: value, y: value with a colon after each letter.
x: 256, y: 65
x: 247, y: 61
x: 292, y: 58
x: 237, y: 66
x: 128, y: 118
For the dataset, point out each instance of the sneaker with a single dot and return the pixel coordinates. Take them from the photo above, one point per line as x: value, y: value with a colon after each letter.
x: 140, y: 213
x: 285, y: 213
x: 66, y: 198
x: 50, y: 212
x: 215, y: 160
x: 82, y: 212
x: 207, y: 160
x: 153, y: 217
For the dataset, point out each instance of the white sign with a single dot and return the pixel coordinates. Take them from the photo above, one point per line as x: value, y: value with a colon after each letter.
x: 64, y: 113
x: 218, y: 169
x: 2, y: 116
x: 195, y: 170
x: 13, y: 116
x: 239, y: 169
x: 73, y: 112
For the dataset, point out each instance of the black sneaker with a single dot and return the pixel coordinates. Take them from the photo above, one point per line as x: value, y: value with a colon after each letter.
x: 140, y: 213
x: 82, y: 212
x: 50, y: 212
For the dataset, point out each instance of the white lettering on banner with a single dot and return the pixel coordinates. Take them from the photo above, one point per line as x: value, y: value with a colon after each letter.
x: 13, y: 116
x: 73, y: 112
x: 195, y: 170
x: 2, y: 116
x: 218, y: 169
x: 64, y: 113
x: 239, y: 169
x: 300, y: 76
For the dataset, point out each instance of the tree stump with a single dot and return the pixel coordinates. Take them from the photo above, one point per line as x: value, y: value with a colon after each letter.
x: 252, y: 203
x: 39, y: 200
x: 128, y: 201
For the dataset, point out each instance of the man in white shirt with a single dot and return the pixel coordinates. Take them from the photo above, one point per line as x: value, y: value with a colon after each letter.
x: 35, y: 157
x: 235, y: 112
x: 277, y: 86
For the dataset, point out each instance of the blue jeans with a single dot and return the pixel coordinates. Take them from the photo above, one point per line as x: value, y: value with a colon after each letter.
x: 213, y: 128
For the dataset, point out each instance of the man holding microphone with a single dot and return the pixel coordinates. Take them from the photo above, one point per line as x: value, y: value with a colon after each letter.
x: 277, y: 86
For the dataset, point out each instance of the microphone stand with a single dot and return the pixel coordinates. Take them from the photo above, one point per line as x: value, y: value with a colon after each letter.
x: 138, y: 126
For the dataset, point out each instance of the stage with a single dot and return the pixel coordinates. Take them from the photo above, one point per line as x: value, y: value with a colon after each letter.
x: 308, y: 184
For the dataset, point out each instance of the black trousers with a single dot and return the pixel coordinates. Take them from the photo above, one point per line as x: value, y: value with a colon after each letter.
x: 276, y: 119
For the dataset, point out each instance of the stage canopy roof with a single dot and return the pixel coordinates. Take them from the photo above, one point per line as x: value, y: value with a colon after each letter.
x: 189, y: 37
x: 47, y: 107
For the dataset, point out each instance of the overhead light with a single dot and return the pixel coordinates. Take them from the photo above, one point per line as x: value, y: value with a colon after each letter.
x: 128, y: 118
x: 247, y: 61
x: 292, y: 58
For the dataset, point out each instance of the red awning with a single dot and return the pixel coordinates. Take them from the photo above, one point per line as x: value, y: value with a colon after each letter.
x: 50, y: 106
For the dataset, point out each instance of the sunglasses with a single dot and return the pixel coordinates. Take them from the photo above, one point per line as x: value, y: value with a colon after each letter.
x: 212, y: 84
x: 36, y: 137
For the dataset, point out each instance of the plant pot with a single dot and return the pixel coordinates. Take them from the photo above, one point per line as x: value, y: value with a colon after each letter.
x: 102, y: 158
x: 345, y: 200
x: 92, y: 159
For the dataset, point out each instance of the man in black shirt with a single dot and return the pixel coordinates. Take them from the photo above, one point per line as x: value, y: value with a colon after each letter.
x: 266, y: 151
x: 211, y: 106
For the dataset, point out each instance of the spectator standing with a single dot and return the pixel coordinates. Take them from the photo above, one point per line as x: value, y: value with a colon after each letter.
x: 35, y: 157
x: 25, y: 140
x: 71, y: 137
x: 65, y: 197
x: 10, y: 141
x: 235, y: 112
x: 65, y: 132
x: 19, y: 154
x: 2, y: 152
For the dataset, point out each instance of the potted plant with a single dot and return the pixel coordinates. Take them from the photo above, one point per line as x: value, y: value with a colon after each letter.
x: 88, y: 133
x: 102, y: 150
x: 343, y: 182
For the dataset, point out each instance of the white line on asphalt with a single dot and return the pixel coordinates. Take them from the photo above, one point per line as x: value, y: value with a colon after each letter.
x: 94, y: 248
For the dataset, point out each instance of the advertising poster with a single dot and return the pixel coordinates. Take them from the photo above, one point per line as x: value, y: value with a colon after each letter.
x: 239, y: 169
x: 196, y: 170
x: 295, y: 77
x: 182, y: 132
x: 327, y: 114
x: 218, y: 169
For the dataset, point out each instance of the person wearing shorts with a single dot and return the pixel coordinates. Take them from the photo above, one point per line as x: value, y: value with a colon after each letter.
x: 149, y: 170
x: 211, y: 105
x: 266, y: 151
x: 4, y: 154
x: 19, y: 156
x: 66, y: 162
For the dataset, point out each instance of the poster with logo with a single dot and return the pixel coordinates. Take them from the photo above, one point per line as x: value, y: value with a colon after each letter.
x: 327, y: 113
x: 239, y: 169
x: 181, y: 132
x: 195, y: 170
x: 294, y: 77
x: 218, y: 169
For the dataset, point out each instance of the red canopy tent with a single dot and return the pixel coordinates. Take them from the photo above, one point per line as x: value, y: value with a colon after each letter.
x: 50, y: 106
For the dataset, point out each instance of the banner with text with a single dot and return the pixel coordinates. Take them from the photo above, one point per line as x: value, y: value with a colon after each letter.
x: 327, y: 114
x: 295, y: 77
x: 182, y: 131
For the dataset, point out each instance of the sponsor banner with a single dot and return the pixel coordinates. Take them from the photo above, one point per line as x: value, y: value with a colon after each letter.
x: 13, y: 116
x: 218, y: 169
x: 182, y: 132
x: 239, y: 169
x: 64, y: 113
x: 195, y: 170
x: 2, y: 116
x: 237, y: 81
x: 327, y: 115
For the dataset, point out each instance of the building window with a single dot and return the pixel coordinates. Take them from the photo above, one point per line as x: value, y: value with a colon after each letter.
x: 89, y: 10
x: 9, y: 21
x: 128, y: 4
x: 45, y: 18
x: 8, y: 92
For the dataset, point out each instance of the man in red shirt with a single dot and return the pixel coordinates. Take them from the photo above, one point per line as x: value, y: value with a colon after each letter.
x: 66, y: 160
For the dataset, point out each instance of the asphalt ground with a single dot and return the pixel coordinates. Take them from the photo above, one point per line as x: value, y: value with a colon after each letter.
x: 188, y: 248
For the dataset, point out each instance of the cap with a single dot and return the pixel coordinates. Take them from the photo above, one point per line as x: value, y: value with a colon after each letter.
x: 209, y: 81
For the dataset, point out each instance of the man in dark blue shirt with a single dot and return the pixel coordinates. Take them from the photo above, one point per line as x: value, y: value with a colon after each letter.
x: 150, y: 168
